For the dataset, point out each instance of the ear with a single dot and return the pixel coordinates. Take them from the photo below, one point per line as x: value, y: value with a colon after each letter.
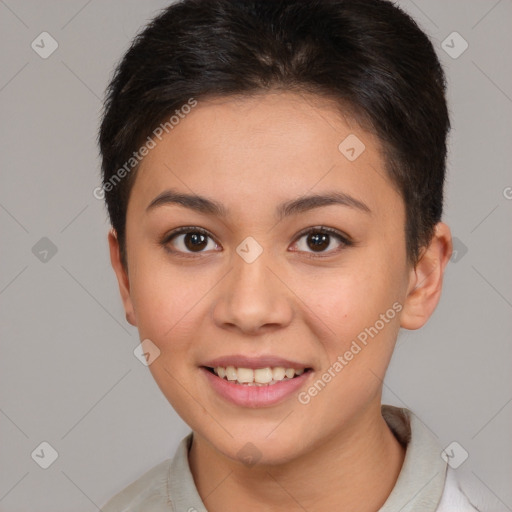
x: 426, y: 279
x: 122, y: 276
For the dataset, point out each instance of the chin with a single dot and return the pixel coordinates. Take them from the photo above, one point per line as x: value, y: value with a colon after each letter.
x: 255, y: 446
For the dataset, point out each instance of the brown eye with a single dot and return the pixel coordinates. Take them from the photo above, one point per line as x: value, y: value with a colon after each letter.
x: 188, y: 240
x: 195, y: 241
x: 318, y: 241
x: 321, y: 240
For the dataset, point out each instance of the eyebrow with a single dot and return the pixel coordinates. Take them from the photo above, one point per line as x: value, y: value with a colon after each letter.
x: 208, y: 206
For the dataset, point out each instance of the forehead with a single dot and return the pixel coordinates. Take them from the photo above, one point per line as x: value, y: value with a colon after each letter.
x: 268, y: 148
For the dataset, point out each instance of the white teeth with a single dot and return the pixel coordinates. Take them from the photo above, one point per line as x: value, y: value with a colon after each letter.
x: 263, y: 375
x: 278, y: 373
x: 258, y: 376
x: 245, y: 375
x: 231, y: 373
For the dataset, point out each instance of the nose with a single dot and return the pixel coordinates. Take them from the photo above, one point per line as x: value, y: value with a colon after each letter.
x: 253, y: 297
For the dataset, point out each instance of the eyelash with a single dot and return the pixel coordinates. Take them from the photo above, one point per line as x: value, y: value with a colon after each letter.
x: 343, y: 239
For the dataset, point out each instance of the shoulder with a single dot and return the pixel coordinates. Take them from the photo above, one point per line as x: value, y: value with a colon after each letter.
x: 148, y: 490
x: 416, y: 488
x: 167, y: 486
x: 453, y: 498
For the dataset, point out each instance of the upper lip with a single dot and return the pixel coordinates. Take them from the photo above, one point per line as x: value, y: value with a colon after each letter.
x: 240, y: 361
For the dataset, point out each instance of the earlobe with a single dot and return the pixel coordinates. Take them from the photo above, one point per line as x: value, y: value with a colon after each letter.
x: 122, y: 276
x: 426, y: 279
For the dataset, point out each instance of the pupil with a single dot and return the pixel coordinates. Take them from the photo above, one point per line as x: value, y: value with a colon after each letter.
x: 320, y: 241
x: 195, y: 241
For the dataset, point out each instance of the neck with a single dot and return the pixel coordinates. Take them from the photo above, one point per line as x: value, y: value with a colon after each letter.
x: 355, y: 469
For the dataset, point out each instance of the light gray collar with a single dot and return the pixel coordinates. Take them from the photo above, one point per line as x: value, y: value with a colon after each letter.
x: 421, y: 480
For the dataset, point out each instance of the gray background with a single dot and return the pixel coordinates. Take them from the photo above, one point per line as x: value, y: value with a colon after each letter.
x: 68, y: 375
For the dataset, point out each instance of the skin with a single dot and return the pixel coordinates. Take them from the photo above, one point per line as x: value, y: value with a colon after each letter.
x: 251, y: 154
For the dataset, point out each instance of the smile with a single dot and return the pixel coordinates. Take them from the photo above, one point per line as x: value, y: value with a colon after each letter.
x: 255, y: 387
x: 257, y: 376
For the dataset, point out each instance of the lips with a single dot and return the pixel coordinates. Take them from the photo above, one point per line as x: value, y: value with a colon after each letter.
x: 255, y: 382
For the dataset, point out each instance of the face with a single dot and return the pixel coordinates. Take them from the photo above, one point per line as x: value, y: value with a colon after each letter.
x: 263, y: 277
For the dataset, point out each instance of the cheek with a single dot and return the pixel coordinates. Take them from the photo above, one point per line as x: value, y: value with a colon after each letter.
x: 165, y: 298
x: 359, y: 302
x: 347, y: 297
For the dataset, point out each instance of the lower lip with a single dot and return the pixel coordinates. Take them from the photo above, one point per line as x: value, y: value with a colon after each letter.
x: 255, y: 396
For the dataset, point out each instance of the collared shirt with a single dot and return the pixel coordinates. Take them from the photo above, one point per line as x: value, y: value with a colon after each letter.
x: 425, y: 483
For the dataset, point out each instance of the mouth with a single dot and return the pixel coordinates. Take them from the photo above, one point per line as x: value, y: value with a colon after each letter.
x: 255, y: 383
x: 266, y: 376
